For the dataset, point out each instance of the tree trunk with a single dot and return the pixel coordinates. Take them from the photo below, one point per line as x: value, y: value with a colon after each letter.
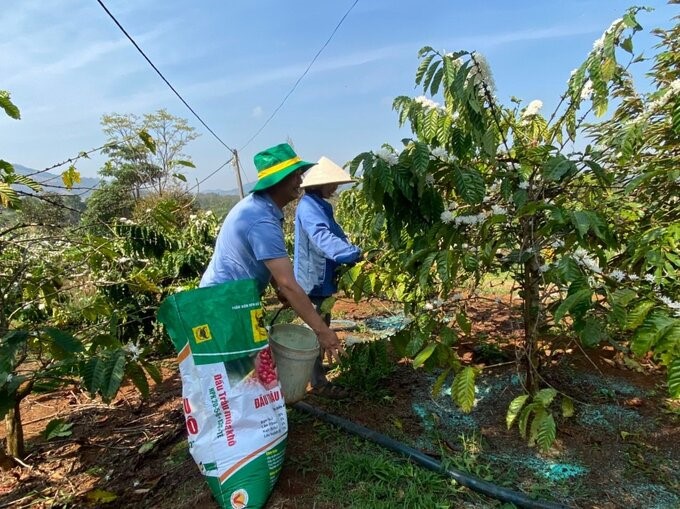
x: 531, y: 310
x: 13, y: 427
x: 15, y: 432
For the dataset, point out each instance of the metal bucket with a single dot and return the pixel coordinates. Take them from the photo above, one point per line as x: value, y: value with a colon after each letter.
x: 295, y: 350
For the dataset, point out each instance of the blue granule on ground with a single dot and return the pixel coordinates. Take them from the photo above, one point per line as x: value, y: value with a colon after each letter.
x: 548, y: 469
x: 612, y: 418
x: 445, y: 415
x: 651, y: 496
x: 606, y: 385
x: 387, y: 323
x: 426, y: 418
x: 494, y: 386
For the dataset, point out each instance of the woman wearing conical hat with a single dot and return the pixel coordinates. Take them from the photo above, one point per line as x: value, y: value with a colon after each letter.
x: 320, y: 247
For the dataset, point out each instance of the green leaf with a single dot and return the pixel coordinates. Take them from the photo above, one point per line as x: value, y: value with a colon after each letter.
x: 7, y: 105
x: 439, y: 382
x: 101, y: 496
x: 567, y: 407
x: 153, y: 371
x: 180, y: 176
x: 424, y: 354
x: 93, y: 374
x: 557, y: 167
x: 70, y: 177
x: 627, y: 44
x: 469, y: 184
x: 581, y: 297
x: 6, y: 167
x: 638, y: 314
x: 146, y: 446
x: 422, y: 68
x: 8, y: 196
x: 545, y: 396
x: 514, y: 409
x: 63, y: 343
x: 148, y: 141
x: 591, y: 332
x: 546, y: 431
x: 463, y: 322
x: 114, y: 374
x: 430, y: 74
x: 674, y: 378
x: 463, y: 389
x: 524, y: 417
x: 652, y: 330
x: 421, y: 156
x: 183, y: 162
x: 57, y: 428
x: 135, y: 373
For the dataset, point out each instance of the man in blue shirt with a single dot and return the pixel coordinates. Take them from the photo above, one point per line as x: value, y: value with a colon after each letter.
x: 320, y: 247
x: 250, y: 244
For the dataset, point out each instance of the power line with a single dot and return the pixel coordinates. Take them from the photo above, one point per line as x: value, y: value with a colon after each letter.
x: 206, y: 178
x: 301, y: 77
x: 163, y: 77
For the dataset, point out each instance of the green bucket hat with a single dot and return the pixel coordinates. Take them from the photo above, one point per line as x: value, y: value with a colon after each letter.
x: 275, y: 164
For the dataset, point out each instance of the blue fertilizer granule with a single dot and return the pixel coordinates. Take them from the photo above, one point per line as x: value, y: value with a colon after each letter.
x: 548, y: 469
x: 387, y: 323
x: 612, y: 418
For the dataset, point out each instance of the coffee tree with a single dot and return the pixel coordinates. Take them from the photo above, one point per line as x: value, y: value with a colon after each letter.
x: 487, y: 188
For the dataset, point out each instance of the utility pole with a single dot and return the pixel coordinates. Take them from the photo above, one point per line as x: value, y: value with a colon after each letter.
x: 237, y: 169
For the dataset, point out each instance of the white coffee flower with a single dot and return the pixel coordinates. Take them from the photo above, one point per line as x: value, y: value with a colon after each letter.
x: 544, y: 268
x: 583, y: 258
x: 446, y: 217
x: 617, y: 275
x: 134, y: 350
x: 440, y: 153
x: 388, y: 156
x: 533, y: 108
x: 523, y: 185
x: 598, y: 45
x: 587, y: 90
x: 425, y: 102
x: 429, y: 180
x: 498, y: 210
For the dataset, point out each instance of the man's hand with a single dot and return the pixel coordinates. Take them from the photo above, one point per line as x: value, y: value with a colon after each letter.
x: 330, y: 345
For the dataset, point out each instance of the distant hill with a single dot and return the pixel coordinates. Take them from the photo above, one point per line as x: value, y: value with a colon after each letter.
x: 229, y: 192
x: 83, y: 189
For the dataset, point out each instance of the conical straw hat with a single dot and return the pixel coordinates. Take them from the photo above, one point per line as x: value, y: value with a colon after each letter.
x: 325, y: 172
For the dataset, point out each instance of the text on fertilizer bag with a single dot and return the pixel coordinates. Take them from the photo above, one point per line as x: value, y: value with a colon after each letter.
x: 247, y: 306
x: 220, y: 403
x: 267, y: 398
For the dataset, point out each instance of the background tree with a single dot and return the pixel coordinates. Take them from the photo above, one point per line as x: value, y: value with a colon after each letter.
x: 146, y: 153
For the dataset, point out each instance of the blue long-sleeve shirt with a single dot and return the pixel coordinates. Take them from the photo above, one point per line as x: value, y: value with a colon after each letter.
x: 320, y: 246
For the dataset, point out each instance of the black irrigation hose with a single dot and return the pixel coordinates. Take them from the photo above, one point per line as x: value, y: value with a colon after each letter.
x: 474, y: 483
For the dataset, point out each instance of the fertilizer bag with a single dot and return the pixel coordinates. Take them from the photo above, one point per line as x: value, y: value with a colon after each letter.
x: 234, y: 410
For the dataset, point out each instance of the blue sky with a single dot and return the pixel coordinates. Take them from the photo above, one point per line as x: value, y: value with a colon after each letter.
x: 66, y: 63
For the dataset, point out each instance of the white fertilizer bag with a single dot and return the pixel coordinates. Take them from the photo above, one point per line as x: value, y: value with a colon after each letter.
x: 234, y: 409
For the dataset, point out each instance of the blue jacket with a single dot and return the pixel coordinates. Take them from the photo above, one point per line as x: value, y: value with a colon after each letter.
x: 320, y: 246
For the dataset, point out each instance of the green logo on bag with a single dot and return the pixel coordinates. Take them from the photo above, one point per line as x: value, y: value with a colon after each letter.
x: 202, y: 333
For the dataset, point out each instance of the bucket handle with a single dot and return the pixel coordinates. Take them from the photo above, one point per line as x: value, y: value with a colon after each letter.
x: 276, y: 315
